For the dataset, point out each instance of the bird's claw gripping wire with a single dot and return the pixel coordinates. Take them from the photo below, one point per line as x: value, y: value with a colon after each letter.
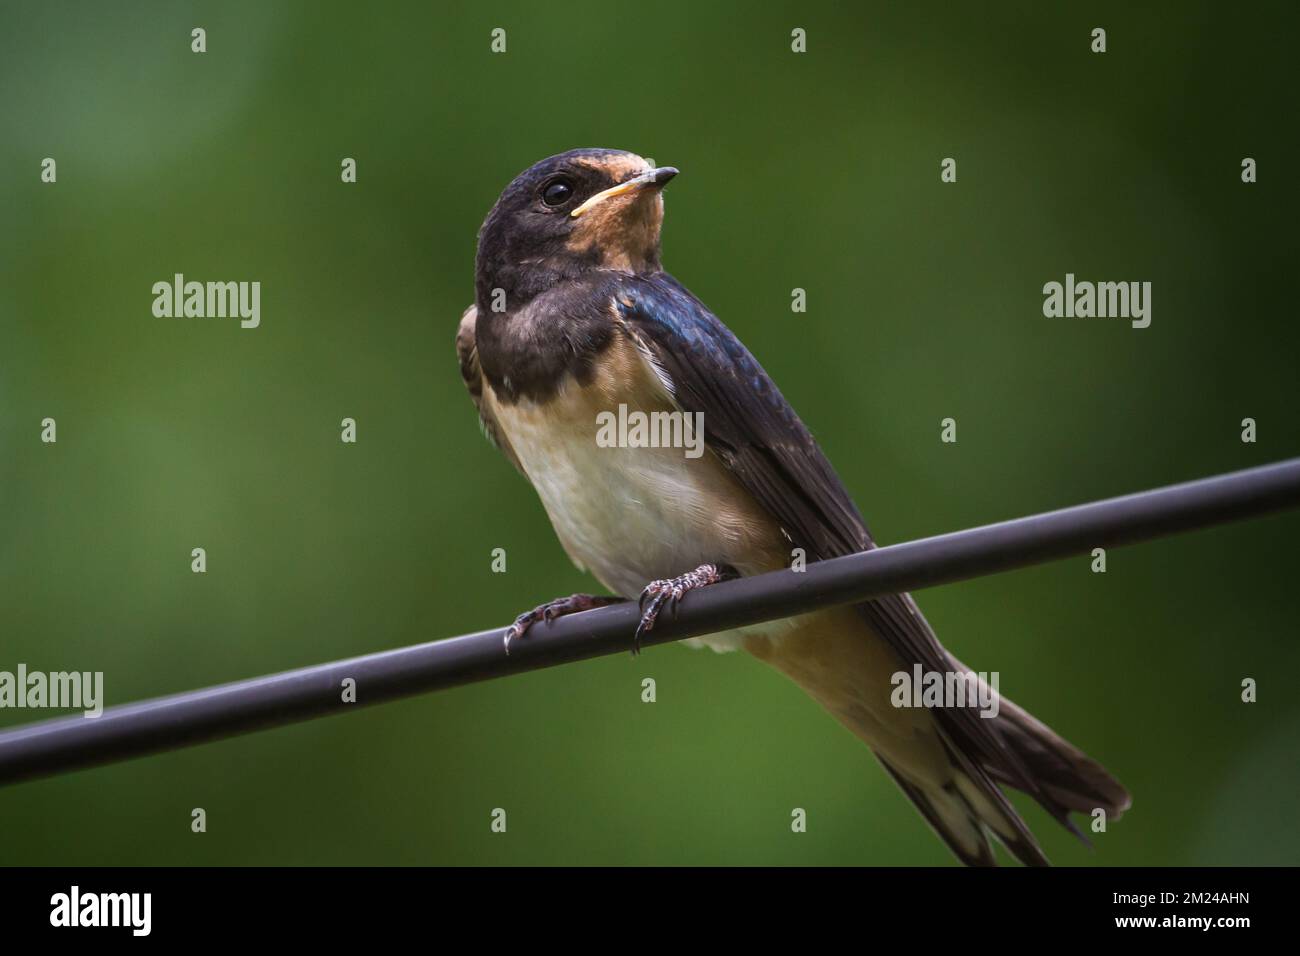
x: 667, y: 592
x: 549, y: 611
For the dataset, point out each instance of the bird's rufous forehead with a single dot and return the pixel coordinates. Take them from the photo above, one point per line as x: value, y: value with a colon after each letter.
x: 618, y: 166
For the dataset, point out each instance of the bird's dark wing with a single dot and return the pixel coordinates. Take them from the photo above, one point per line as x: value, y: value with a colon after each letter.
x: 758, y: 436
x: 467, y: 354
x: 747, y: 421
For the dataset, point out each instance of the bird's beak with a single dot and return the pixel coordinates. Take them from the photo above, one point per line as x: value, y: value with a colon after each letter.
x: 653, y: 179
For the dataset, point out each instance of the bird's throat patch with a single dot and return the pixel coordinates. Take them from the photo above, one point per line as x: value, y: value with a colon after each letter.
x: 622, y: 232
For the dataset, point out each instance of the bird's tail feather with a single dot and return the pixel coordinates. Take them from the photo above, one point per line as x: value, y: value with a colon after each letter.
x: 967, y: 810
x: 971, y: 805
x: 955, y: 781
x: 951, y: 817
x: 1068, y: 779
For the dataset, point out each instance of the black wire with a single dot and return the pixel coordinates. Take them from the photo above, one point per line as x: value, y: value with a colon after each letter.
x: 132, y: 730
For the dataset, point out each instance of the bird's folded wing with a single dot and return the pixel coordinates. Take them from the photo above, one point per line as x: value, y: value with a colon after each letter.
x: 467, y: 353
x: 758, y: 436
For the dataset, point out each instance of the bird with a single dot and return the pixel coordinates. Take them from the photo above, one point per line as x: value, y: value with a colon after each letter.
x: 573, y: 318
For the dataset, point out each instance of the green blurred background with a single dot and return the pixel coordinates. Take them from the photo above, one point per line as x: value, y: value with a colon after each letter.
x: 818, y: 171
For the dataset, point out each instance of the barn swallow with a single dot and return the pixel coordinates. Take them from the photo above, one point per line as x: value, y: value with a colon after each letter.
x: 574, y: 317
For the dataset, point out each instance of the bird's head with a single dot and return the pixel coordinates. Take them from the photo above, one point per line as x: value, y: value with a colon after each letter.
x: 583, y: 210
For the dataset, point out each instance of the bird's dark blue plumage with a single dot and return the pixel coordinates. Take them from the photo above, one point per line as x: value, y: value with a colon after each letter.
x: 747, y: 420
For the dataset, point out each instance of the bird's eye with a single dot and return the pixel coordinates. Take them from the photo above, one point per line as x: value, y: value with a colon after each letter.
x: 557, y: 193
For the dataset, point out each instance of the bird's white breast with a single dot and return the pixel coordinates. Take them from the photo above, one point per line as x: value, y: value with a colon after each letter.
x: 631, y: 515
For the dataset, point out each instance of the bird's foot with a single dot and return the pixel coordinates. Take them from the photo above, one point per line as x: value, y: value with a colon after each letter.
x: 668, y: 591
x: 558, y: 608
